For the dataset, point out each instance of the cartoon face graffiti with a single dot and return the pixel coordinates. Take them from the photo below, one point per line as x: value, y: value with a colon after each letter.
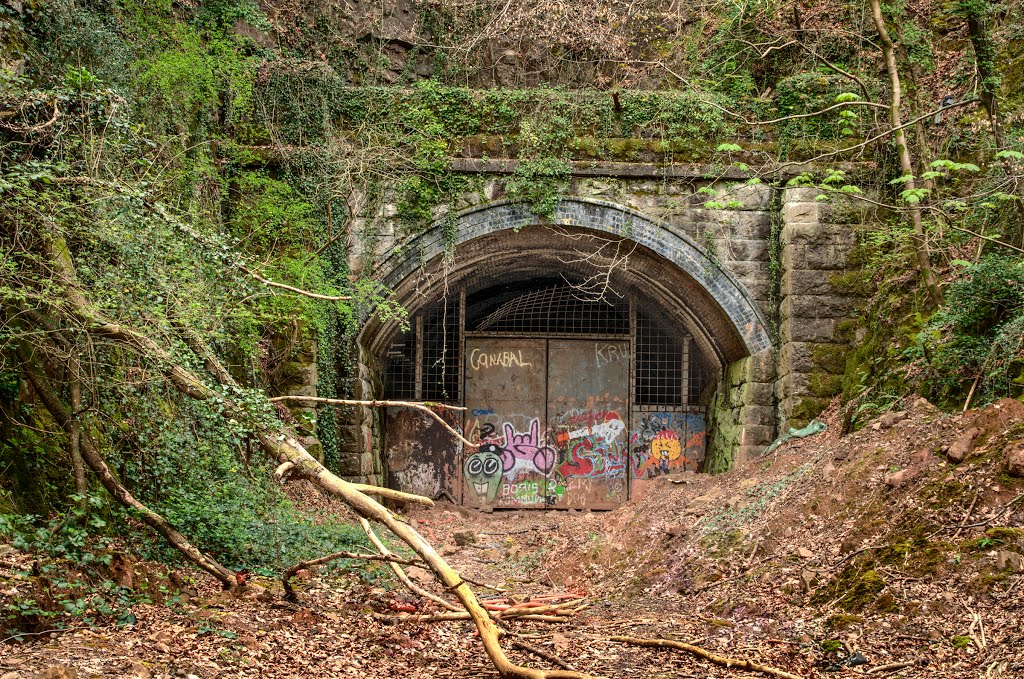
x: 665, y: 449
x: 483, y: 471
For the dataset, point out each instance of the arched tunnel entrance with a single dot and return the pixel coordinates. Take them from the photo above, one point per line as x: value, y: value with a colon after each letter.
x: 584, y: 358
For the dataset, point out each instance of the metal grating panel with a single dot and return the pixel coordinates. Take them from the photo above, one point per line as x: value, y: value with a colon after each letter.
x: 557, y: 309
x: 659, y: 364
x: 400, y: 368
x: 441, y: 352
x: 698, y: 377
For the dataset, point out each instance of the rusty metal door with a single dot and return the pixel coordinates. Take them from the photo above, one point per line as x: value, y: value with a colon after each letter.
x: 422, y: 456
x: 587, y: 412
x: 505, y: 398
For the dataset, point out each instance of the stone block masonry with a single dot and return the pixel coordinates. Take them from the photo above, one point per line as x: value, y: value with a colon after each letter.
x: 817, y: 241
x: 775, y: 261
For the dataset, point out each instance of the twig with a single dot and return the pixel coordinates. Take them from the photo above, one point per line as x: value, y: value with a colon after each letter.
x: 739, y: 575
x: 708, y: 655
x: 286, y: 577
x: 298, y: 291
x: 967, y: 516
x: 35, y: 634
x: 541, y: 653
x: 891, y: 667
x: 853, y: 554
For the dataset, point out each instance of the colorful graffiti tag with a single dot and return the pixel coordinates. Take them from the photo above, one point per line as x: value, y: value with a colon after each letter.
x: 595, y: 449
x: 507, y: 466
x: 666, y: 442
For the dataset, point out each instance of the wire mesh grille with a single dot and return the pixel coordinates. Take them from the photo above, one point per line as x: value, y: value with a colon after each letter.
x: 557, y: 309
x: 400, y: 368
x: 659, y: 364
x: 698, y: 377
x: 441, y: 325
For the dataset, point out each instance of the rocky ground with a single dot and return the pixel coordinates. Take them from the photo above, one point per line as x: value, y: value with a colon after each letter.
x: 895, y: 551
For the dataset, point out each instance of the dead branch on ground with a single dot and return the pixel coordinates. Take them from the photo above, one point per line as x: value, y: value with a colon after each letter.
x: 708, y: 655
x: 281, y: 445
x: 286, y: 577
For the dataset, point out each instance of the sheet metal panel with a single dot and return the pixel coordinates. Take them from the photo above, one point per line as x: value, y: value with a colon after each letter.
x: 588, y: 406
x: 664, y: 442
x: 422, y: 456
x: 505, y: 396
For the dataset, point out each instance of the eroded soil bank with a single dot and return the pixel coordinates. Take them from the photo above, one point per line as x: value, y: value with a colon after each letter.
x: 895, y: 551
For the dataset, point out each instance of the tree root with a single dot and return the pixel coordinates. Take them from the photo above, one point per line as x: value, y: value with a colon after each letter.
x: 707, y: 655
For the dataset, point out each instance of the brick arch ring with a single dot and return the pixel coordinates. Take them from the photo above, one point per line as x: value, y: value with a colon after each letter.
x: 734, y: 302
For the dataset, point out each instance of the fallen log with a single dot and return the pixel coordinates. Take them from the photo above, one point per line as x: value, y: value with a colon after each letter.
x: 286, y: 577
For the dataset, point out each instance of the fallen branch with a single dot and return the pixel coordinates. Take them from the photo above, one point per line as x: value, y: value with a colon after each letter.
x: 556, y: 617
x: 278, y: 442
x: 423, y: 407
x: 891, y: 667
x: 91, y: 455
x: 286, y: 577
x: 214, y: 367
x: 402, y: 576
x: 541, y: 653
x: 297, y: 291
x: 707, y: 655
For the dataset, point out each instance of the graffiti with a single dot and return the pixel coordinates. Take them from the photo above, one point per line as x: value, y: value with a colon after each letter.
x: 525, y: 451
x: 589, y: 417
x: 667, y: 442
x: 594, y: 450
x: 525, y: 493
x: 505, y: 359
x: 610, y: 353
x: 608, y: 430
x: 478, y: 412
x: 483, y: 471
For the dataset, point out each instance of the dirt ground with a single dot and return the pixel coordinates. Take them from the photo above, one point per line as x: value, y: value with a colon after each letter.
x: 895, y: 551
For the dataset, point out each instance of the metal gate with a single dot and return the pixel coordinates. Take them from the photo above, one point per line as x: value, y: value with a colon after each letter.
x: 551, y: 419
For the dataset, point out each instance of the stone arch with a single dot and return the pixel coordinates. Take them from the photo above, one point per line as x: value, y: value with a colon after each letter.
x: 710, y: 302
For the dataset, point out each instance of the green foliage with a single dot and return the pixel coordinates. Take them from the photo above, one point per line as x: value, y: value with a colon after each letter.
x: 979, y: 334
x: 73, y: 566
x: 539, y: 182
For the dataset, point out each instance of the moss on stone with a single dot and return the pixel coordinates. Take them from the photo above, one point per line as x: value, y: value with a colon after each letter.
x: 824, y: 385
x: 855, y: 282
x: 841, y: 621
x: 830, y: 357
x: 805, y: 410
x: 854, y: 590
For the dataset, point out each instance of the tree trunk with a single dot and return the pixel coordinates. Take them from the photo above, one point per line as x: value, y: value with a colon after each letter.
x: 75, y: 429
x: 976, y: 12
x: 906, y: 164
x: 92, y: 456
